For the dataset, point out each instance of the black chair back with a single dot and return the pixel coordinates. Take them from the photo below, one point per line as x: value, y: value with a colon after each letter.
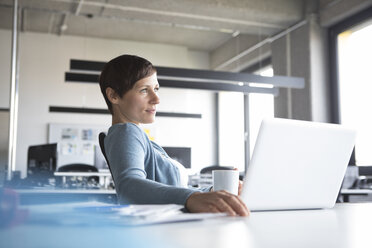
x: 101, y: 138
x: 77, y: 168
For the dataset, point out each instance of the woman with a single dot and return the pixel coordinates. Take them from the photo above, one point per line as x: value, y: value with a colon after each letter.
x: 142, y: 171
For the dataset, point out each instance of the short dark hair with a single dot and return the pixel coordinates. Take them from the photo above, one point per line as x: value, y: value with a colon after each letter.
x: 121, y: 73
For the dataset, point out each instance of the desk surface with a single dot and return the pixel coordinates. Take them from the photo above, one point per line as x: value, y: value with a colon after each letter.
x: 346, y: 225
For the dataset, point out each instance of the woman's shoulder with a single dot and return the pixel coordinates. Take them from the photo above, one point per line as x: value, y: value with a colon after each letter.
x: 126, y: 131
x: 125, y: 128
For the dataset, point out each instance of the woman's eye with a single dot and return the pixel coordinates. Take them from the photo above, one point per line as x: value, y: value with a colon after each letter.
x: 156, y: 89
x: 143, y: 91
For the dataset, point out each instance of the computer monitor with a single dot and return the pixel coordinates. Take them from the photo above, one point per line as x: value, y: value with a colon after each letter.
x: 181, y: 154
x: 42, y: 159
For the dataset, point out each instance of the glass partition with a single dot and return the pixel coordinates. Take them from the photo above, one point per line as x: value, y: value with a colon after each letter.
x: 5, y: 69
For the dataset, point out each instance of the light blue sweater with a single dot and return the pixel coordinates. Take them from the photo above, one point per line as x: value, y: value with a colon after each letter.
x: 142, y: 171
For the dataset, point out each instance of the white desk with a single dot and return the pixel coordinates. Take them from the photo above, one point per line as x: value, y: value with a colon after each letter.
x: 347, y: 225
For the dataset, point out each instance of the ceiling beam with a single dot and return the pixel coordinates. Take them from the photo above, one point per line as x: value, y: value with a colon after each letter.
x: 258, y: 45
x: 179, y: 14
x: 78, y: 7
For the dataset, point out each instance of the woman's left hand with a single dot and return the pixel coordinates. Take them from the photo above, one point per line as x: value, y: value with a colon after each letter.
x: 240, y: 187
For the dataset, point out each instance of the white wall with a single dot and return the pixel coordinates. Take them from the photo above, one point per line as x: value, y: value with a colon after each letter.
x: 45, y: 58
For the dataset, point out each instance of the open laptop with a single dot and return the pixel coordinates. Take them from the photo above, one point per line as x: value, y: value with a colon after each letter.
x: 297, y: 165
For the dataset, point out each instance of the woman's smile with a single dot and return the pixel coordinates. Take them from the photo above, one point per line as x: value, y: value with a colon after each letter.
x: 151, y: 111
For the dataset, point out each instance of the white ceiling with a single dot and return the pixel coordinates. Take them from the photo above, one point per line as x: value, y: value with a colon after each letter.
x: 197, y: 24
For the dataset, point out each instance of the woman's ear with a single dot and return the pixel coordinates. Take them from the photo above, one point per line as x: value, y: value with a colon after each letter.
x: 112, y: 95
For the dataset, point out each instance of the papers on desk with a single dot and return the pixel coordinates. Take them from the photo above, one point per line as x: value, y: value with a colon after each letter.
x: 95, y: 213
x: 150, y: 211
x: 158, y: 214
x: 151, y: 214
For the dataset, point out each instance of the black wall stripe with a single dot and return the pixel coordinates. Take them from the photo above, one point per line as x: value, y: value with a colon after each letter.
x: 81, y: 77
x: 86, y: 65
x: 4, y: 110
x: 78, y: 110
x: 105, y: 111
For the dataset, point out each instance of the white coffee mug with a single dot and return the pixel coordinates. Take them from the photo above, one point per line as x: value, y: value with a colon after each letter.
x: 226, y: 180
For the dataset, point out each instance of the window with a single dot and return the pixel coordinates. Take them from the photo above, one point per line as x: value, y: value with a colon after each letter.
x: 350, y: 44
x: 355, y: 86
x: 231, y: 121
x: 231, y: 129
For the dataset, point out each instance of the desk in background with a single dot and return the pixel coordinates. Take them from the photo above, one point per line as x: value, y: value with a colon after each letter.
x: 357, y: 195
x: 345, y: 226
x: 104, y: 177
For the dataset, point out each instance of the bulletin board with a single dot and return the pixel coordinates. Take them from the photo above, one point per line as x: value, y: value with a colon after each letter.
x: 76, y: 143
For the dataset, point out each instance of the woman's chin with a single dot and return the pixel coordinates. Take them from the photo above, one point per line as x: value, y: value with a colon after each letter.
x: 148, y: 121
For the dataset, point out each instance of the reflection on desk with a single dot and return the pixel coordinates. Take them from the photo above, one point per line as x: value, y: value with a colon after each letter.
x: 53, y: 195
x: 65, y: 191
x: 346, y: 225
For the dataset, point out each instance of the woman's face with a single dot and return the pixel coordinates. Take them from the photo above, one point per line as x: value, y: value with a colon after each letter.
x: 138, y: 105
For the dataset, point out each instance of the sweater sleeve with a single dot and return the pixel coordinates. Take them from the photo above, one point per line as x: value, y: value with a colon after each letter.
x: 126, y: 151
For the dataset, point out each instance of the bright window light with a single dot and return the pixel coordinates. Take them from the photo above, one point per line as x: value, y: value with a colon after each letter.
x: 355, y: 87
x: 231, y: 119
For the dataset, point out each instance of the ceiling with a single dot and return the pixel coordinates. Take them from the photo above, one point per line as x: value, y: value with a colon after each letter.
x: 197, y: 24
x: 235, y: 33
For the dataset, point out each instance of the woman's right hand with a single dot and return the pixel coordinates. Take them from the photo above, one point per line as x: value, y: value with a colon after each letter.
x: 216, y: 202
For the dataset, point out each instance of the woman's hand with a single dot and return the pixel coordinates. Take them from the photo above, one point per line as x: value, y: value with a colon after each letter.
x: 240, y: 187
x: 216, y: 202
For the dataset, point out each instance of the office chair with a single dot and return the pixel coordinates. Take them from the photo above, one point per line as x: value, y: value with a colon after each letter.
x: 209, y: 169
x: 41, y: 164
x: 77, y: 168
x: 101, y: 138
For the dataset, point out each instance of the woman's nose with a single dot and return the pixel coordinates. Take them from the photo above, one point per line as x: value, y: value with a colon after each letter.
x: 155, y: 98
